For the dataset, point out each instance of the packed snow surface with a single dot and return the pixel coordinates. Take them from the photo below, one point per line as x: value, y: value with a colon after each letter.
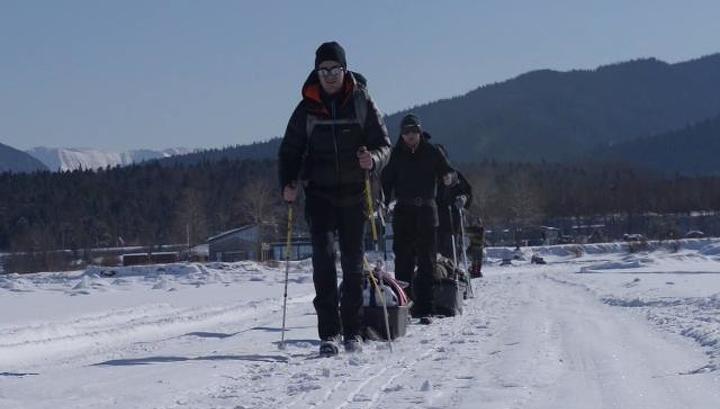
x: 595, y: 327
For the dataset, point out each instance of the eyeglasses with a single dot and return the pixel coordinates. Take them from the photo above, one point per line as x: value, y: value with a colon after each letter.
x: 332, y: 71
x: 410, y: 129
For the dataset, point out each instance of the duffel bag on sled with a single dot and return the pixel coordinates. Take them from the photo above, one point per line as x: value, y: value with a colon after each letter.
x: 450, y: 288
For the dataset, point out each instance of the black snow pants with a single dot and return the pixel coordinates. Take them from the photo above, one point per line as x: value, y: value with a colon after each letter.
x: 414, y: 244
x: 327, y: 219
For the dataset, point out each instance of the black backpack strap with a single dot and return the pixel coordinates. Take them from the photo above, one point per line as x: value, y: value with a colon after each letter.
x: 360, y: 98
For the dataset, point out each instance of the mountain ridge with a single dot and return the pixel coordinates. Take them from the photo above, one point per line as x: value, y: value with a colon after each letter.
x: 67, y: 159
x: 15, y: 160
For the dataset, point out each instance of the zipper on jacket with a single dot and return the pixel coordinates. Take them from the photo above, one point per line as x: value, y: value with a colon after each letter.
x: 337, y: 159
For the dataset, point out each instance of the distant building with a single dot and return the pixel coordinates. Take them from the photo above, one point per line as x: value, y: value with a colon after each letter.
x: 268, y: 242
x: 550, y: 235
x: 199, y: 253
x: 300, y: 249
x: 589, y: 233
x: 254, y: 242
x: 162, y: 257
x: 235, y: 245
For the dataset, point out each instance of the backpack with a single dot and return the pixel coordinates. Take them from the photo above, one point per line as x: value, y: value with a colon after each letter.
x: 445, y: 269
x: 450, y: 288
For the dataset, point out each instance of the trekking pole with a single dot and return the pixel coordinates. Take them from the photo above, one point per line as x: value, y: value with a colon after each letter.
x: 452, y: 235
x: 383, y: 224
x: 464, y: 247
x: 380, y: 293
x: 385, y: 243
x: 373, y: 279
x: 288, y: 243
x: 371, y: 212
x: 454, y: 249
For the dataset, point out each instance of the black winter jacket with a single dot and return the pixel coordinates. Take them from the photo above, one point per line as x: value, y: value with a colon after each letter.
x: 323, y: 135
x: 447, y: 196
x: 414, y: 175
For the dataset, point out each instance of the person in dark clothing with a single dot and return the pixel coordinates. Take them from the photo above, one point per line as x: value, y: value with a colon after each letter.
x: 449, y: 200
x: 335, y: 136
x: 411, y: 177
x: 476, y: 234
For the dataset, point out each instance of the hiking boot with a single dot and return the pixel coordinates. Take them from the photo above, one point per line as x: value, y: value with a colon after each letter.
x: 426, y: 320
x: 330, y: 346
x: 353, y: 344
x: 419, y: 311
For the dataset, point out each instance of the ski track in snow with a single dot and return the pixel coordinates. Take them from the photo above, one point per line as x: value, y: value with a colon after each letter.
x: 74, y: 340
x: 509, y: 349
x: 576, y: 333
x: 96, y: 334
x: 365, y: 380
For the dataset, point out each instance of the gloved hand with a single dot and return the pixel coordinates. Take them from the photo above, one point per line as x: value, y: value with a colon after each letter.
x: 381, y: 209
x: 388, y: 208
x: 290, y: 192
x: 460, y: 201
x: 365, y: 158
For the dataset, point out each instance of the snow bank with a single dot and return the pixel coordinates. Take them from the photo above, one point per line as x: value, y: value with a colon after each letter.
x: 163, y: 277
x: 694, y: 317
x: 14, y: 282
x: 706, y: 247
x: 711, y: 249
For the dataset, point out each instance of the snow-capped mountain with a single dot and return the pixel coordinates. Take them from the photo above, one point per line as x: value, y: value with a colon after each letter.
x: 84, y: 158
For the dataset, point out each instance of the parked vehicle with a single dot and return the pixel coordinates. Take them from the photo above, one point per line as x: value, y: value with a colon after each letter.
x: 694, y: 234
x: 634, y: 237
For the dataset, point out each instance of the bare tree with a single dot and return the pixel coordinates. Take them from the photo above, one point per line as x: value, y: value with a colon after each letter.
x: 484, y: 191
x: 523, y: 201
x: 191, y: 216
x: 257, y: 202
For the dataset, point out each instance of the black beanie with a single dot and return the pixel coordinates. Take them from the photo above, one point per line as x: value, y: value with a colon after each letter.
x: 410, y: 120
x: 330, y: 51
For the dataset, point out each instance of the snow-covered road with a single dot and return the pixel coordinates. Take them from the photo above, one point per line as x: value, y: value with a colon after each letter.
x: 603, y: 330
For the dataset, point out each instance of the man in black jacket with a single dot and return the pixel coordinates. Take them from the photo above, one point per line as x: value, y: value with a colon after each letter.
x: 335, y: 136
x: 411, y: 175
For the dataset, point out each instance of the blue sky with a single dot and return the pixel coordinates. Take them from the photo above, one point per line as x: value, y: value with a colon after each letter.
x: 154, y: 74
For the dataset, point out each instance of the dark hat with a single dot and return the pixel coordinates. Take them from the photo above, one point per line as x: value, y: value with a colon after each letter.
x: 330, y: 51
x: 410, y: 120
